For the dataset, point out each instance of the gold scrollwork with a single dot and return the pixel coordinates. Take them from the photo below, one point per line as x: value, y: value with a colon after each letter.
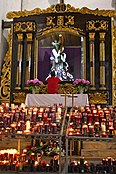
x: 60, y: 21
x: 24, y: 26
x: 6, y: 73
x: 19, y: 97
x: 43, y: 32
x: 64, y: 8
x: 50, y: 21
x: 97, y: 25
x: 98, y: 98
x: 70, y: 20
x: 114, y: 65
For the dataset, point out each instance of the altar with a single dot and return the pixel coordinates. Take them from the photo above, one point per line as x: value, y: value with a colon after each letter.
x: 36, y: 100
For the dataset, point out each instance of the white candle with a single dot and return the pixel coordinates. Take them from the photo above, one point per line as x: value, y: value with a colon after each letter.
x: 28, y: 125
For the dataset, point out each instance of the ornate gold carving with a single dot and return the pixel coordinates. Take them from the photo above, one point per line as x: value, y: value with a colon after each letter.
x: 60, y: 8
x: 20, y: 37
x: 50, y: 21
x: 60, y: 21
x: 70, y: 20
x: 98, y: 98
x: 113, y: 64
x: 45, y: 31
x: 29, y: 37
x: 19, y: 97
x: 102, y: 37
x: 24, y: 26
x: 6, y: 73
x: 92, y: 36
x: 62, y: 89
x: 97, y: 25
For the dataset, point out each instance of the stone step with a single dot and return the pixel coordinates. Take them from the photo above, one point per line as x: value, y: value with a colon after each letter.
x: 98, y: 145
x: 101, y: 153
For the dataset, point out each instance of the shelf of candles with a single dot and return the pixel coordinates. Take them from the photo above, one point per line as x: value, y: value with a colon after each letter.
x: 107, y: 165
x: 43, y: 123
x: 11, y: 160
x: 92, y: 122
x: 23, y: 120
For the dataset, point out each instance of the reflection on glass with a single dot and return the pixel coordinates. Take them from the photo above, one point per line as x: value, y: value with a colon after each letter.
x: 62, y: 52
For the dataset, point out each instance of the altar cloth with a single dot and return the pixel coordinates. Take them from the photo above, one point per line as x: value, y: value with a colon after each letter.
x: 37, y: 100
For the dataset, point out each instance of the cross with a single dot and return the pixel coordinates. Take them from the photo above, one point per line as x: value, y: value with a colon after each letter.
x: 61, y: 1
x: 73, y: 96
x: 64, y: 95
x: 69, y: 95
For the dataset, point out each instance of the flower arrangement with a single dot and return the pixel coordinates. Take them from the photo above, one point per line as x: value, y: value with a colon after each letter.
x: 34, y: 84
x: 81, y: 85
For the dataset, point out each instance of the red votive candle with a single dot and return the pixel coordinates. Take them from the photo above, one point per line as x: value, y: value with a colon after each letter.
x: 54, y: 128
x: 45, y: 117
x: 91, y: 130
x: 89, y: 118
x: 84, y: 130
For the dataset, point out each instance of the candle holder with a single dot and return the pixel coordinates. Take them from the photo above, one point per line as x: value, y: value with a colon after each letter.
x: 84, y: 130
x: 103, y: 127
x: 91, y: 130
x: 97, y: 129
x: 111, y: 132
x: 89, y: 118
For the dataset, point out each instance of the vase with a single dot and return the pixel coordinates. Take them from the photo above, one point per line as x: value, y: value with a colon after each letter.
x: 81, y: 91
x: 33, y: 90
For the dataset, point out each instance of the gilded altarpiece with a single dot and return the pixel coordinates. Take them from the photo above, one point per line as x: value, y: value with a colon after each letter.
x: 29, y: 27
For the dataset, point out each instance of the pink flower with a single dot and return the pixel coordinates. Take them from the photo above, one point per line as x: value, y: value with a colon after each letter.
x: 34, y: 82
x: 81, y: 82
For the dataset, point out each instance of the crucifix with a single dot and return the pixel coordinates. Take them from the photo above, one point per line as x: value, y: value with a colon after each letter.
x: 73, y: 96
x: 69, y: 95
x: 64, y: 95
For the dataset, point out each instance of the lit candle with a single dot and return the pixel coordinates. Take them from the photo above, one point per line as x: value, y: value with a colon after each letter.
x: 91, y: 130
x: 45, y: 117
x: 89, y: 118
x: 96, y: 129
x: 28, y: 125
x: 59, y: 110
x: 84, y: 130
x: 103, y: 125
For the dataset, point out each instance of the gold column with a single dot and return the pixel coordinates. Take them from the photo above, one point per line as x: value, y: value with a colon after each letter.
x: 92, y: 60
x: 28, y: 56
x: 19, y: 61
x: 102, y: 61
x: 36, y: 58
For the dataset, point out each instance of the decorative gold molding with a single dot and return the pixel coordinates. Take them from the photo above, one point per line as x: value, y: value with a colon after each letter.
x: 98, y: 98
x: 70, y: 20
x: 60, y: 8
x: 113, y: 64
x: 6, y: 73
x: 24, y: 26
x: 97, y: 25
x: 49, y: 20
x: 19, y: 97
x: 45, y: 31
